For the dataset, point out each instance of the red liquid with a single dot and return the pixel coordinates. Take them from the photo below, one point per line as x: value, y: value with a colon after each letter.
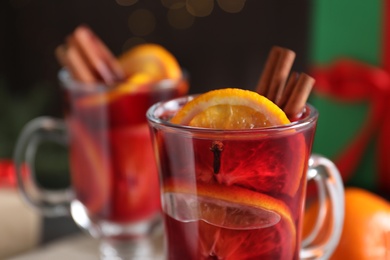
x: 204, y: 197
x: 113, y: 168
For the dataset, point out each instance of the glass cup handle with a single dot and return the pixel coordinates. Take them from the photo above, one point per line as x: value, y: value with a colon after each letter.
x: 41, y: 129
x: 329, y: 183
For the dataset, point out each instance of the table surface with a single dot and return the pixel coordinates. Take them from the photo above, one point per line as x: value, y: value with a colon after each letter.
x: 74, y: 247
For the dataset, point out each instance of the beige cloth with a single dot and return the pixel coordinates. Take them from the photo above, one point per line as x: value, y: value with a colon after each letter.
x: 20, y: 225
x: 75, y: 247
x: 20, y: 228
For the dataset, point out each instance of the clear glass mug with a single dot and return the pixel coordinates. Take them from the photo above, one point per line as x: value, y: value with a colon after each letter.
x: 240, y: 194
x: 115, y: 192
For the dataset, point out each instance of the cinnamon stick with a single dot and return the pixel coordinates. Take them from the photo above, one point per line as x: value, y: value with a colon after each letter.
x: 290, y: 96
x: 299, y: 95
x: 76, y: 64
x: 98, y: 55
x: 288, y: 89
x: 275, y: 73
x: 279, y: 78
x: 269, y: 68
x: 88, y: 59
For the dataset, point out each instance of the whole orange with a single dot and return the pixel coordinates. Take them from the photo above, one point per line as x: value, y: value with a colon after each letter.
x: 366, y: 231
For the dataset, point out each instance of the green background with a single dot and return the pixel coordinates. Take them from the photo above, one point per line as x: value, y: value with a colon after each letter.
x: 345, y: 29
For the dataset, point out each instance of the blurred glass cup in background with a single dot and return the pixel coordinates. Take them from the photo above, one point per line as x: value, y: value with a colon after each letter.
x: 114, y: 194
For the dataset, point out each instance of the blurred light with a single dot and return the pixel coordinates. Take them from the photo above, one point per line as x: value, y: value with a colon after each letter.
x: 133, y: 41
x: 142, y: 22
x: 173, y: 4
x: 200, y: 8
x: 126, y: 2
x: 231, y: 6
x: 180, y: 18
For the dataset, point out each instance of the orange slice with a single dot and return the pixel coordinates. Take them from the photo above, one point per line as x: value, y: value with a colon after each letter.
x: 232, y: 199
x: 90, y: 171
x: 230, y: 109
x: 264, y: 164
x: 234, y: 223
x: 135, y: 83
x: 144, y: 66
x: 151, y: 59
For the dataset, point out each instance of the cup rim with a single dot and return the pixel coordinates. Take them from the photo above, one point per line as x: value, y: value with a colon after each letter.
x: 299, y: 125
x: 68, y: 83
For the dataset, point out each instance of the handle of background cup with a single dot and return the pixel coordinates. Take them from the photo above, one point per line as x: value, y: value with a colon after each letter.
x: 39, y: 130
x: 329, y: 183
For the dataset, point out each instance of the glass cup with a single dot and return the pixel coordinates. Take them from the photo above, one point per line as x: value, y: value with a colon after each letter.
x: 115, y: 192
x: 240, y: 194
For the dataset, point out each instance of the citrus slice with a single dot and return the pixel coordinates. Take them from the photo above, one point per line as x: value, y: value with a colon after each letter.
x: 136, y: 194
x: 89, y: 167
x: 133, y: 84
x: 230, y: 108
x: 145, y: 66
x: 233, y: 223
x: 261, y: 163
x: 151, y: 59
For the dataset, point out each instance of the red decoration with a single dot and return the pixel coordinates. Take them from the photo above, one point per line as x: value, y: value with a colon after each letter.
x: 8, y: 174
x: 386, y: 36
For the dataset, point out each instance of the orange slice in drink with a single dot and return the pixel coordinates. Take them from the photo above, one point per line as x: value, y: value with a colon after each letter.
x: 230, y: 109
x: 90, y: 169
x: 231, y: 204
x: 233, y: 222
x: 265, y: 164
x: 151, y: 59
x: 145, y: 66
